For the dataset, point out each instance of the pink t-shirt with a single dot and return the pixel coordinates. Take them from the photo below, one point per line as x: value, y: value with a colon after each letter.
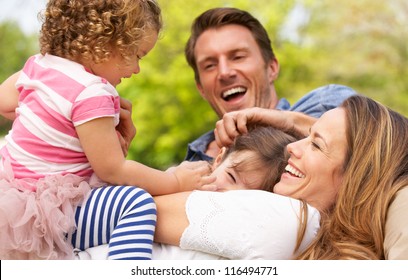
x: 56, y: 95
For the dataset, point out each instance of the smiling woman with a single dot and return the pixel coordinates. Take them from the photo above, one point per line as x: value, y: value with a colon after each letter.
x: 374, y: 169
x: 316, y: 170
x: 351, y: 178
x: 316, y: 165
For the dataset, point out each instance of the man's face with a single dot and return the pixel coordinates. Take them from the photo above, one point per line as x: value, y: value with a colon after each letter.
x: 233, y: 74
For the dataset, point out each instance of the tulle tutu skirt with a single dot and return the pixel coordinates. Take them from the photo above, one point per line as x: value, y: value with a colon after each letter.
x: 36, y: 224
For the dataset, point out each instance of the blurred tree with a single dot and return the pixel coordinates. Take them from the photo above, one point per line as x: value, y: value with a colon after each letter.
x: 15, y: 48
x: 362, y: 43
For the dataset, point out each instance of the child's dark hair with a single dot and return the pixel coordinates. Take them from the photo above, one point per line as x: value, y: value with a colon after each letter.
x: 269, y: 145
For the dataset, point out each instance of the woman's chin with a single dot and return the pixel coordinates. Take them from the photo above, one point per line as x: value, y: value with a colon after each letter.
x: 287, y: 185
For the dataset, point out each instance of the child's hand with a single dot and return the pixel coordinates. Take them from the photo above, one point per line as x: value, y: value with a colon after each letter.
x: 193, y: 175
x: 126, y: 129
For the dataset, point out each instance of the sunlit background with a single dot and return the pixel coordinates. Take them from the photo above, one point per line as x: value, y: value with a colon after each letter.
x: 362, y: 44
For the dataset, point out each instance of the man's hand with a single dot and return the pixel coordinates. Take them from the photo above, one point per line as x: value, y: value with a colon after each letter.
x: 126, y: 129
x: 234, y: 123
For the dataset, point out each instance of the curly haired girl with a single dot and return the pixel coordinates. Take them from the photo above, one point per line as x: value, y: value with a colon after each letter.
x: 64, y: 141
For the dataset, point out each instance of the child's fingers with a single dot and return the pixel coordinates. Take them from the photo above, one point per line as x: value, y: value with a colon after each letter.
x: 202, y: 167
x: 206, y: 180
x: 212, y: 188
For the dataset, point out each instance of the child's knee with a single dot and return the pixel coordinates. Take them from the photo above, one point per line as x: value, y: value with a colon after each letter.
x: 143, y: 201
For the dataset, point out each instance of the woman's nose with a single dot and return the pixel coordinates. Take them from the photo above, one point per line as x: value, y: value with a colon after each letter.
x: 295, y: 148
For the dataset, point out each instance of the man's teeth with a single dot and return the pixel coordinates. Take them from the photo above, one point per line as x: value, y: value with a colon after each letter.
x: 233, y: 91
x: 294, y: 172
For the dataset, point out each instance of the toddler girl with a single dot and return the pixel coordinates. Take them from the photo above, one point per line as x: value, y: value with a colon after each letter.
x: 63, y: 141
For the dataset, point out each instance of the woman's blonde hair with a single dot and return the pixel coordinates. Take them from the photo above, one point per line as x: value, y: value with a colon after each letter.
x: 90, y: 30
x: 376, y: 168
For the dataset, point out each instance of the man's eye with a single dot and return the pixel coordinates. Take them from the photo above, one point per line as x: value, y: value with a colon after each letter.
x: 239, y: 55
x: 209, y: 66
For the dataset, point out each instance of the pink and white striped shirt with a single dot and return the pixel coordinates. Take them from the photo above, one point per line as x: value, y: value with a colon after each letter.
x: 56, y: 95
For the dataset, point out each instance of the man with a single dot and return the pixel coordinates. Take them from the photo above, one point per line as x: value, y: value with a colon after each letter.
x: 235, y: 68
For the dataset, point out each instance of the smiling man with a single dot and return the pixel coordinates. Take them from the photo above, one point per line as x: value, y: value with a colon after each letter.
x: 235, y: 68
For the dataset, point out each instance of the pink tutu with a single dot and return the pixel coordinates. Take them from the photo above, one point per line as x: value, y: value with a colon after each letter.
x: 35, y: 224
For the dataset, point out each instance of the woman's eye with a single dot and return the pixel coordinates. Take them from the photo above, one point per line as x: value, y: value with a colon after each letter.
x: 314, y: 145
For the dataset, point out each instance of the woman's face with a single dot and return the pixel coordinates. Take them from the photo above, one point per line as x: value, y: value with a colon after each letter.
x: 315, y: 166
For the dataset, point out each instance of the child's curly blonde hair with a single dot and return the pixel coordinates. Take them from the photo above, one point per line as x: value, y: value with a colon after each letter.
x: 90, y: 30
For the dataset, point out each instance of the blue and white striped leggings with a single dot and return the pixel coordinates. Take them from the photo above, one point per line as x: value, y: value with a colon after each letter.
x: 123, y: 216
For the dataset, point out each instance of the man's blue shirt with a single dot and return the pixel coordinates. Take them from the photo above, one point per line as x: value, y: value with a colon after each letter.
x: 314, y: 104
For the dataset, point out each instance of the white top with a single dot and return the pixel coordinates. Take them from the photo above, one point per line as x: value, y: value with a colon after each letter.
x: 246, y: 224
x: 241, y: 224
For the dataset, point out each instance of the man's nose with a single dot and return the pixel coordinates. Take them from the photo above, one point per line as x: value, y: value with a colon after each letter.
x: 225, y: 70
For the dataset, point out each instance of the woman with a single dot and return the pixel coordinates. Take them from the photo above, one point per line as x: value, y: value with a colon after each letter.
x: 350, y: 168
x: 188, y: 220
x: 376, y: 169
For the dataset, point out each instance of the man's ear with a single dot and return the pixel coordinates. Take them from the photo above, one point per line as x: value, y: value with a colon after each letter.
x: 273, y: 67
x: 219, y: 158
x: 200, y: 90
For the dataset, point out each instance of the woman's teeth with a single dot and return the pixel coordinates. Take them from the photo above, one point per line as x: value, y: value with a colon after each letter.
x: 294, y: 172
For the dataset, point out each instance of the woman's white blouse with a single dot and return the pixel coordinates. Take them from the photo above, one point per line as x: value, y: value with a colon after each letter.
x: 246, y: 224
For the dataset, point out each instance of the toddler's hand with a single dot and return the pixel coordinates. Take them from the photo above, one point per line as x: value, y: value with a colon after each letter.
x: 193, y: 175
x: 126, y: 129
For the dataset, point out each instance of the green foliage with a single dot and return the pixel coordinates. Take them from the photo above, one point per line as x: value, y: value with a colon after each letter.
x: 15, y: 48
x: 362, y: 44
